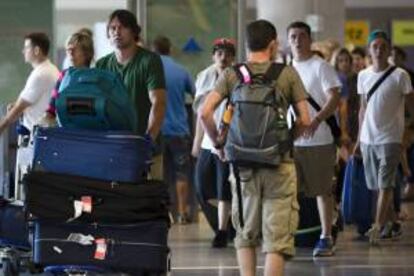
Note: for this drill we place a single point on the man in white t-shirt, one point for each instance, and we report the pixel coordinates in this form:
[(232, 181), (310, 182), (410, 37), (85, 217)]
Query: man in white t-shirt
[(210, 170), (381, 120), (34, 98), (315, 154)]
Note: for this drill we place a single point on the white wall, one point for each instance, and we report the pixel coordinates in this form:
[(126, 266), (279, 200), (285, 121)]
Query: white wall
[(330, 15), (89, 4), (72, 15)]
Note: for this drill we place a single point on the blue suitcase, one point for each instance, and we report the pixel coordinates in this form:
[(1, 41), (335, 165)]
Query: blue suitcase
[(357, 199), (104, 155), (128, 248)]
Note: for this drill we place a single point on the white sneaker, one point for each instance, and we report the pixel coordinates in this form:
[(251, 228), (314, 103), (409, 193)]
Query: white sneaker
[(374, 235)]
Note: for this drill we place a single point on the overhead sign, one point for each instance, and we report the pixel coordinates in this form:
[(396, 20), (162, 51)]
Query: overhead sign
[(191, 46), (356, 32), (403, 32)]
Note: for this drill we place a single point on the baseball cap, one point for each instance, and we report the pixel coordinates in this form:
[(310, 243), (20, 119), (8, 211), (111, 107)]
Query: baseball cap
[(378, 33), (225, 44)]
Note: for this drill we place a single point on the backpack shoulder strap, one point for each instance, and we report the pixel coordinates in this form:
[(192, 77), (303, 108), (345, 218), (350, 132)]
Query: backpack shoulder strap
[(243, 73), (274, 71)]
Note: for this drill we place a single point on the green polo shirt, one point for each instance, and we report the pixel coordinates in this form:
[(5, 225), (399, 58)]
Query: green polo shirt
[(144, 72)]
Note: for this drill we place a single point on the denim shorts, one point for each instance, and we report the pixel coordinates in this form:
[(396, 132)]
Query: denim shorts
[(212, 176), (381, 164), (176, 154)]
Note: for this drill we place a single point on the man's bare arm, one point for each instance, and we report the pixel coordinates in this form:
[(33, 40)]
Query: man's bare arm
[(303, 118), (327, 110), (361, 115), (157, 113), (13, 114), (213, 99), (198, 137)]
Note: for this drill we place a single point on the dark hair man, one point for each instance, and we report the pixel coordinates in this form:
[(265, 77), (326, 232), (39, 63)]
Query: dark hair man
[(315, 156), (142, 73), (269, 206)]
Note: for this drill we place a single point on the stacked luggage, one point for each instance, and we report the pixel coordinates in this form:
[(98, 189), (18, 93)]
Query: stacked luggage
[(94, 206), (91, 205)]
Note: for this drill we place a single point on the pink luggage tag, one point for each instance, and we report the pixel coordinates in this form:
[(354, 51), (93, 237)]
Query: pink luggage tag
[(86, 204), (101, 248), (83, 205)]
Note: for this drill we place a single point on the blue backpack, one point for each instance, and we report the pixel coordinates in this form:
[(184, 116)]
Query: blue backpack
[(94, 99)]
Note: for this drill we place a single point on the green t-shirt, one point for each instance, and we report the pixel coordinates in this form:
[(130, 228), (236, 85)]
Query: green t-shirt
[(140, 75), (288, 82)]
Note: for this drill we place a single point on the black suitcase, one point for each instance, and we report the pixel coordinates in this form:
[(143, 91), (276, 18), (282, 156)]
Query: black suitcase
[(132, 248), (53, 196)]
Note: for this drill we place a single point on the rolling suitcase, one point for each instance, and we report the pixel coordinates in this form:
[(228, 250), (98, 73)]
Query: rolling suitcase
[(357, 200), (131, 248), (111, 156), (13, 225), (15, 244), (63, 197)]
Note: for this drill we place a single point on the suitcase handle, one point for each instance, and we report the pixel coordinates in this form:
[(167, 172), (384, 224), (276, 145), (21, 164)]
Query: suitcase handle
[(81, 106)]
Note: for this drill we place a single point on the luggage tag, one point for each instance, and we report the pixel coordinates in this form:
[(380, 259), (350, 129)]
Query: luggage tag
[(101, 248), (86, 204), (81, 239), (80, 206)]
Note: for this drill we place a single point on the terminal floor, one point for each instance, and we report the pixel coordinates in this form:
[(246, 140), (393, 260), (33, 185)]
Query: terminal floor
[(192, 255)]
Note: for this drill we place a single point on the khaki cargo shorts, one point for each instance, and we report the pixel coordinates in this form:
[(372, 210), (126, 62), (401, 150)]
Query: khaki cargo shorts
[(315, 167), (270, 208)]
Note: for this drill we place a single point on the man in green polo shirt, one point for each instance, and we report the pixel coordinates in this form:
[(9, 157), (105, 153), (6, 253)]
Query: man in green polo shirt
[(141, 72)]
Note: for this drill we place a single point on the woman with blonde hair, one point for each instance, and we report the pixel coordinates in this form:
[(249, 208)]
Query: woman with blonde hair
[(80, 52)]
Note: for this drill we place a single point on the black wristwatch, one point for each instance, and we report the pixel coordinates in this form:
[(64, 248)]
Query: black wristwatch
[(218, 146)]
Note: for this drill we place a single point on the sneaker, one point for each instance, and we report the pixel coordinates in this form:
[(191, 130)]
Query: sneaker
[(373, 235), (386, 232), (324, 248), (391, 231), (396, 229), (220, 240)]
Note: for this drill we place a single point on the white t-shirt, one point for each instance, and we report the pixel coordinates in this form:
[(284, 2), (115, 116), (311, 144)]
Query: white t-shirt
[(37, 91), (318, 77), (204, 84), (384, 115)]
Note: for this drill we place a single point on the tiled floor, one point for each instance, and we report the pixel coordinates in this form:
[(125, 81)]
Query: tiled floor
[(192, 255)]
